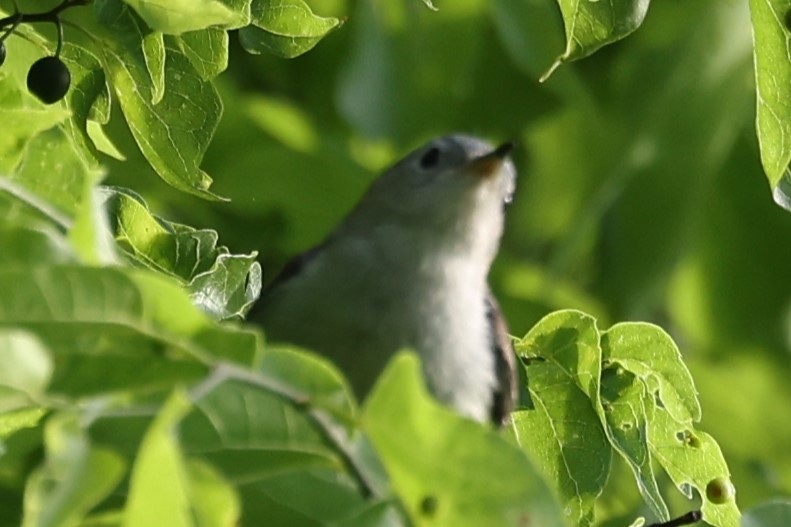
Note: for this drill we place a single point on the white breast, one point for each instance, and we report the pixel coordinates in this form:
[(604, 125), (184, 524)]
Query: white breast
[(359, 304)]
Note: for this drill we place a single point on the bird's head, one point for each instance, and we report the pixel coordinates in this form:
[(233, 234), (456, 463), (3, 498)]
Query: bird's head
[(452, 189)]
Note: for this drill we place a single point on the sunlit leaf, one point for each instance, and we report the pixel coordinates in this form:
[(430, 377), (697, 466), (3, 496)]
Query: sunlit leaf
[(174, 133), (222, 284), (25, 364), (76, 476), (166, 488), (591, 25), (180, 16), (648, 351), (13, 421), (207, 51), (628, 408), (563, 432), (87, 97), (444, 481), (270, 445), (54, 171), (771, 27), (286, 28), (692, 459)]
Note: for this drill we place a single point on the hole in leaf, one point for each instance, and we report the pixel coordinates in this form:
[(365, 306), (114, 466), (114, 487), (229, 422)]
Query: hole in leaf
[(686, 489), (788, 20), (626, 426), (688, 438), (530, 361), (429, 505), (658, 400)]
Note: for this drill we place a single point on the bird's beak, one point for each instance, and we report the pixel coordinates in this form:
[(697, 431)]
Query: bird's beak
[(488, 164)]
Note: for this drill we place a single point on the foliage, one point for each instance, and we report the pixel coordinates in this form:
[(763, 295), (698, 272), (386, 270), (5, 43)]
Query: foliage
[(131, 394)]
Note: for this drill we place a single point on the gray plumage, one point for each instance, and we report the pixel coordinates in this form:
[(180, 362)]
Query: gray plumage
[(408, 268)]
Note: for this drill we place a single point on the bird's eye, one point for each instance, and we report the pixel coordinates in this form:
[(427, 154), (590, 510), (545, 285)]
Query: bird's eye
[(430, 158)]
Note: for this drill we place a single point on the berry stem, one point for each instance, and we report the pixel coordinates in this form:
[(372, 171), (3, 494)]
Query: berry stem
[(60, 36), (52, 16), (14, 25)]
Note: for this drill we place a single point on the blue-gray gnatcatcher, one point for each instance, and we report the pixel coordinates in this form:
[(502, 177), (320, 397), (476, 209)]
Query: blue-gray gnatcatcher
[(407, 268)]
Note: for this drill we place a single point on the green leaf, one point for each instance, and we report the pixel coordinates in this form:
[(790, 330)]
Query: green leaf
[(54, 171), (252, 433), (22, 115), (88, 96), (90, 234), (563, 433), (229, 288), (172, 134), (25, 363), (222, 284), (215, 501), (153, 45), (165, 489), (72, 294), (692, 459), (312, 375), (442, 480), (180, 16), (111, 329), (12, 422), (26, 247), (772, 514), (75, 478), (648, 351), (285, 28), (770, 20), (591, 25), (628, 407), (103, 143), (207, 51), (271, 433)]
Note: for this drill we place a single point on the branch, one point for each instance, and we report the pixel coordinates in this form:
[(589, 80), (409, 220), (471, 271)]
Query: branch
[(371, 484), (53, 15), (687, 519)]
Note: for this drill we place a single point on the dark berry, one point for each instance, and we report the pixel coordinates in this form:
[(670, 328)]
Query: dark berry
[(48, 79), (2, 52)]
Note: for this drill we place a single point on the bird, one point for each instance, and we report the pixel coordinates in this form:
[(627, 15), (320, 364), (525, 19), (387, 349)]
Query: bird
[(408, 268)]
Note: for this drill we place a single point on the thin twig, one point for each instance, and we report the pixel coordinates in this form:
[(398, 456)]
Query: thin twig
[(687, 519), (334, 433), (47, 16)]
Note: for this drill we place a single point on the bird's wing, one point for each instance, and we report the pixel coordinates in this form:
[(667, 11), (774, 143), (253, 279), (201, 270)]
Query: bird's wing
[(290, 271), (505, 394)]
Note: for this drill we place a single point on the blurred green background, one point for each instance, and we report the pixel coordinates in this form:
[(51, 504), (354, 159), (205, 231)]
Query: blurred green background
[(641, 195)]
